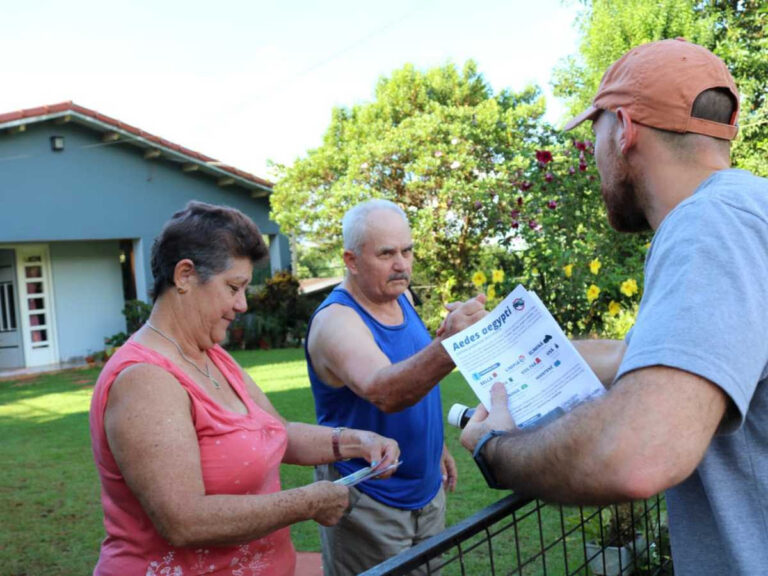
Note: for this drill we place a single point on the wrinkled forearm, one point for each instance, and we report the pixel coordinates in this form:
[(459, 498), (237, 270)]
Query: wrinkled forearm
[(210, 520), (571, 461), (308, 444), (398, 386)]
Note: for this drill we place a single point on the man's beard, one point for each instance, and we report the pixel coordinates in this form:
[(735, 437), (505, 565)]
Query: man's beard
[(620, 195)]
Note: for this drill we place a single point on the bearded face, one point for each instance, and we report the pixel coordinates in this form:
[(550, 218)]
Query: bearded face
[(619, 186)]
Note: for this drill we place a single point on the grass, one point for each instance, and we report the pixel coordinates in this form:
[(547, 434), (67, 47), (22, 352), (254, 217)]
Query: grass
[(50, 512)]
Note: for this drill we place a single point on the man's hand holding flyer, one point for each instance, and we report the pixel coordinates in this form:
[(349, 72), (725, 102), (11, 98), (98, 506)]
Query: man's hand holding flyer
[(520, 344)]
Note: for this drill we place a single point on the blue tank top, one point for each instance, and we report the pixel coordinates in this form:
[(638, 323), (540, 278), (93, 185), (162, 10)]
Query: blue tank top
[(418, 429)]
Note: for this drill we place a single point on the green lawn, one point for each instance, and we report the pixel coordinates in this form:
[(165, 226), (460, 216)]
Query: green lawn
[(50, 513)]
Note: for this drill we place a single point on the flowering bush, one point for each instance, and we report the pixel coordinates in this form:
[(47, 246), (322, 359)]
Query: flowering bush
[(277, 314), (557, 242)]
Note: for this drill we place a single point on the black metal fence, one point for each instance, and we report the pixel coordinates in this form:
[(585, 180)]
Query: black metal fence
[(522, 536)]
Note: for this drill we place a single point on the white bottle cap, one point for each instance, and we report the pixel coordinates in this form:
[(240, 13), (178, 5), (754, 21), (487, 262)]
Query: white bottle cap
[(455, 414)]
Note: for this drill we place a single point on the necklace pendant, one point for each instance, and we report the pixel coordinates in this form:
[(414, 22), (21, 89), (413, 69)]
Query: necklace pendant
[(215, 383)]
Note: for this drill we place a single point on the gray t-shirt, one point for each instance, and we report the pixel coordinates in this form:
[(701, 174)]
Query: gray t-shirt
[(705, 311)]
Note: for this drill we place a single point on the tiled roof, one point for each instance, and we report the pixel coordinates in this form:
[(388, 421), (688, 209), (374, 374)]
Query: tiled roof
[(42, 113)]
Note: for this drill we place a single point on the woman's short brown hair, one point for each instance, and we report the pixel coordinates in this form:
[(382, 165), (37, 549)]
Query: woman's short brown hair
[(210, 236)]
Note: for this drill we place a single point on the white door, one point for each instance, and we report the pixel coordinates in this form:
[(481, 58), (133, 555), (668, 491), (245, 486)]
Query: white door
[(36, 303), (11, 348)]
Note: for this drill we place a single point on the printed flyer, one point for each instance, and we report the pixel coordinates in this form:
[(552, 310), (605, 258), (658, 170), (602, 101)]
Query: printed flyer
[(520, 344)]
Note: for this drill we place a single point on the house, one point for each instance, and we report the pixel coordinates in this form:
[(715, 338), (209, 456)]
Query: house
[(82, 197)]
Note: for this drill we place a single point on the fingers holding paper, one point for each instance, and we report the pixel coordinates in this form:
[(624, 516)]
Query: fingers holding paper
[(461, 315), (482, 421), (379, 451)]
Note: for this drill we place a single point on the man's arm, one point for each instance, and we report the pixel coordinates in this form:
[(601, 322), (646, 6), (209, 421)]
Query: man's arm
[(344, 353), (603, 356), (648, 433)]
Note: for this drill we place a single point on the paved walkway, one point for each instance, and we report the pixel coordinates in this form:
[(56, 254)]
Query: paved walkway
[(21, 373)]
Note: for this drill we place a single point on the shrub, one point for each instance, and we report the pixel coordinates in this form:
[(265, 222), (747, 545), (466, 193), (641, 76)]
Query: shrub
[(277, 314)]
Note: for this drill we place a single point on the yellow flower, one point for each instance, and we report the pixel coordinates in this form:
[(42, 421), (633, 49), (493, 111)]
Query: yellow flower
[(628, 287), (594, 266), (535, 271), (497, 276), (479, 279), (568, 269), (592, 293), (614, 308), (491, 292)]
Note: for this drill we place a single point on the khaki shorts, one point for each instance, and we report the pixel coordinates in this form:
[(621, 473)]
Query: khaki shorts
[(371, 532)]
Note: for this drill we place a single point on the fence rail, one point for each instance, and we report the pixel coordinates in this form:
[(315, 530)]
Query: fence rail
[(523, 536)]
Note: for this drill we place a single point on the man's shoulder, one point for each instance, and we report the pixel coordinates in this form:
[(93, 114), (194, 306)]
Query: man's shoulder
[(336, 312), (725, 199), (733, 189)]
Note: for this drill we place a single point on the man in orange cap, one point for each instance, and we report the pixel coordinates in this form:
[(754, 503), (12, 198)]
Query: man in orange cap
[(687, 408)]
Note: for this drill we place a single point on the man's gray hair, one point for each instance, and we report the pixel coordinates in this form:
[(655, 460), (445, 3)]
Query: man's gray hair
[(353, 227)]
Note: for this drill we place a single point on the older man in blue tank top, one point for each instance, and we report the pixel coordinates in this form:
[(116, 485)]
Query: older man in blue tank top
[(373, 365)]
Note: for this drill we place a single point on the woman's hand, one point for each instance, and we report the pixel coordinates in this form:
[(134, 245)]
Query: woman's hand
[(330, 501), (379, 451)]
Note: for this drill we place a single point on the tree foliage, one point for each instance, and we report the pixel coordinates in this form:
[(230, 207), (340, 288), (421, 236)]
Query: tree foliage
[(735, 30), (440, 144)]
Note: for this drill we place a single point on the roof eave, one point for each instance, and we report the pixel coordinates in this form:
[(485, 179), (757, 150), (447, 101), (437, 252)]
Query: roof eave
[(212, 167)]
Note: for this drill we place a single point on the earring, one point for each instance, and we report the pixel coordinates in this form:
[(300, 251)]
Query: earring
[(181, 290)]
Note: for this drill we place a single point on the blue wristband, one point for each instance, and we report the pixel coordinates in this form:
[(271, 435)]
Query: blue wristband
[(487, 473)]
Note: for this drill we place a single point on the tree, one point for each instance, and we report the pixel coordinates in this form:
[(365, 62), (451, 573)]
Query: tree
[(438, 143), (735, 30)]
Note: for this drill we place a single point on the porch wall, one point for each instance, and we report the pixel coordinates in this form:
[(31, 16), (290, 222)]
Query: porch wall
[(88, 292)]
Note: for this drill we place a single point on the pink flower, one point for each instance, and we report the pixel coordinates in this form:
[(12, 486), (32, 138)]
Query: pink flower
[(478, 204), (515, 224), (549, 176), (571, 170), (552, 204), (525, 185), (532, 224), (543, 156), (582, 166), (515, 213), (580, 145), (519, 200)]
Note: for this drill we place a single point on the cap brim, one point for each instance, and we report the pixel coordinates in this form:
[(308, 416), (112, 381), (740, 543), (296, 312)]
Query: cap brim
[(588, 114)]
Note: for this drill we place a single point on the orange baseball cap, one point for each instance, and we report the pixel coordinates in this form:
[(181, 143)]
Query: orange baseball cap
[(657, 83)]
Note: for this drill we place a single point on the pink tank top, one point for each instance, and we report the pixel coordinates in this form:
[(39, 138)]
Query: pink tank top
[(239, 454)]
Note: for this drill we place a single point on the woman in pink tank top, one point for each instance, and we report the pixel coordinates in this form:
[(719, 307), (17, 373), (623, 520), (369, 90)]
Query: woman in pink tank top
[(187, 447)]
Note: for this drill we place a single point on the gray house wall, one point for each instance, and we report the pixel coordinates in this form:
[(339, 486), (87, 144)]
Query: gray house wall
[(93, 191), (88, 284)]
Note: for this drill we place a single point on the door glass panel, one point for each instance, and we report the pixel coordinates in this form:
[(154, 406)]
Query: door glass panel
[(39, 336), (37, 319), (29, 259), (36, 303), (34, 287), (33, 272)]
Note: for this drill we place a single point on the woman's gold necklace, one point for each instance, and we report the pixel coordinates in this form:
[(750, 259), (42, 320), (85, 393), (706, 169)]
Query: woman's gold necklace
[(206, 372)]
